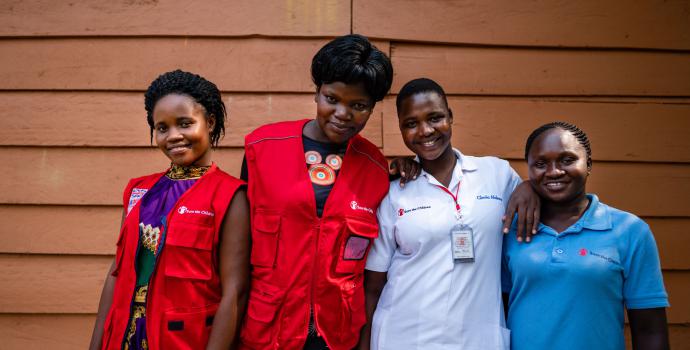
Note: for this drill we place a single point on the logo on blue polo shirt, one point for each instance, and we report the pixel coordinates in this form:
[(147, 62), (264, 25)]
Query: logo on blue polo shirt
[(584, 252)]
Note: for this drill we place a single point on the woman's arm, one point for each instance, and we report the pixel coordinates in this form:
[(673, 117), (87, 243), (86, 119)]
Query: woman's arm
[(103, 308), (373, 286), (234, 255), (526, 203), (104, 303), (648, 328)]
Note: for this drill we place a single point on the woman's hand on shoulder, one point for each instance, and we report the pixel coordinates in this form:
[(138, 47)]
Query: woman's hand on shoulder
[(526, 203), (406, 168)]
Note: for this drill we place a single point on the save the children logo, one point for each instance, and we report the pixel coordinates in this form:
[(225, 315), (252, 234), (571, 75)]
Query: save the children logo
[(402, 211), (585, 252), (355, 206), (185, 210)]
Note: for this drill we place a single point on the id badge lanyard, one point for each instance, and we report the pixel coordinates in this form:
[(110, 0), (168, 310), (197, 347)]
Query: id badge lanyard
[(461, 235)]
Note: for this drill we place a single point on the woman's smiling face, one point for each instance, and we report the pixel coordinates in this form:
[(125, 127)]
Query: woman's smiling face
[(181, 130), (426, 124), (558, 166)]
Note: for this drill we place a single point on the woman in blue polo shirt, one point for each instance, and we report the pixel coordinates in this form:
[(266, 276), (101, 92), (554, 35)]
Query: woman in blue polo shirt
[(569, 287)]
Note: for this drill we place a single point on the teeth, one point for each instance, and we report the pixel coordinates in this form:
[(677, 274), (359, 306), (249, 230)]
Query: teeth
[(428, 143), (554, 184)]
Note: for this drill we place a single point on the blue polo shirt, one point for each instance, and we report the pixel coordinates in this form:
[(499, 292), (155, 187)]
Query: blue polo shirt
[(570, 290)]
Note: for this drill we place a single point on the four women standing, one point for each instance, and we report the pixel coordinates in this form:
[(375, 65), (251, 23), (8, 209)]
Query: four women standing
[(181, 275)]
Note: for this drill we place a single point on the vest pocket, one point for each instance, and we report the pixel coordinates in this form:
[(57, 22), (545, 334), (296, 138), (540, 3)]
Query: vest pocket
[(259, 326), (187, 329), (188, 250), (355, 244), (265, 230)]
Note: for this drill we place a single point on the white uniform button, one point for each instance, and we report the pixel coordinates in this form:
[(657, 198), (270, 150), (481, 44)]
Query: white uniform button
[(559, 251)]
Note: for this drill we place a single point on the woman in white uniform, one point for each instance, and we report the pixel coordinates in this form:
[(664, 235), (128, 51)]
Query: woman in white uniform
[(433, 275)]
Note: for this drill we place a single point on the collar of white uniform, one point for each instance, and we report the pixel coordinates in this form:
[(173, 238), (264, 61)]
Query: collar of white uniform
[(463, 164)]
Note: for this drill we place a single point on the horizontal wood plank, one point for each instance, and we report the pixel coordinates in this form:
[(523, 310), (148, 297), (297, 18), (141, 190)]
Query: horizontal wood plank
[(51, 283), (642, 24), (41, 332), (253, 64), (92, 230), (647, 131), (119, 118), (643, 189), (175, 17), (86, 176), (72, 284), (68, 332), (512, 71), (51, 229), (672, 239), (78, 176)]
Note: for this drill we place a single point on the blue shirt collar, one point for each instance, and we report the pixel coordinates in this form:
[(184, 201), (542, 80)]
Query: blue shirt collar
[(596, 218)]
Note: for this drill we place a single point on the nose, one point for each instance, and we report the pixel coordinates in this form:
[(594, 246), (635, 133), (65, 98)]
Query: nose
[(174, 134), (425, 129), (342, 112), (553, 170)]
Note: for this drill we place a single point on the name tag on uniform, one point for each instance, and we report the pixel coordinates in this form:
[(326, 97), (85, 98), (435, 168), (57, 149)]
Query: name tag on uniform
[(462, 243)]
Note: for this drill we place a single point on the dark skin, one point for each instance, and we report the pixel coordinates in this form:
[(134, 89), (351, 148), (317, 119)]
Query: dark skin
[(234, 255), (558, 170), (181, 130), (426, 126), (104, 304)]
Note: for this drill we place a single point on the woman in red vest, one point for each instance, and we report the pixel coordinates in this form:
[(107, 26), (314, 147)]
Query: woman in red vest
[(314, 186), (180, 276)]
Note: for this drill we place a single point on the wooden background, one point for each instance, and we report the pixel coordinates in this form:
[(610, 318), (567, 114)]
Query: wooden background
[(73, 128)]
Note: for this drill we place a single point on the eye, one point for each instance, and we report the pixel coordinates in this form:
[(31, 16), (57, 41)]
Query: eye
[(568, 160), (539, 164), (410, 124), (360, 107), (185, 124), (161, 128), (329, 99), (436, 118)]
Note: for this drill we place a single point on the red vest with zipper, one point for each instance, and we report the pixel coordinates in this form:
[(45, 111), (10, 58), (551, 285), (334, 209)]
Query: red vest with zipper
[(184, 289), (298, 259)]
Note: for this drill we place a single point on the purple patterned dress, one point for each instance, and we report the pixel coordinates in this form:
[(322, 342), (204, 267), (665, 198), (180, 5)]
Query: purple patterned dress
[(155, 206)]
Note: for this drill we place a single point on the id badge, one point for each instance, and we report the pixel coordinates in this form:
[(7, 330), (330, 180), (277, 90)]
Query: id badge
[(462, 243)]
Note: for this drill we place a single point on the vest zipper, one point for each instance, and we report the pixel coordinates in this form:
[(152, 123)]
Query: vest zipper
[(314, 274)]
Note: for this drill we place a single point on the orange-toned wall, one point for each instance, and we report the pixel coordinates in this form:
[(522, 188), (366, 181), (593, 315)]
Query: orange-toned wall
[(73, 126)]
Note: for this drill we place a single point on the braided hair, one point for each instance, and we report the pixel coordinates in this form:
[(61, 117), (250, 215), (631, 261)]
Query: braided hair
[(352, 59), (574, 130), (201, 90)]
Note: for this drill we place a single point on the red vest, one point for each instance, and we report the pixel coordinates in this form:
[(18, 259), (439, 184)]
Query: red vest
[(184, 290), (298, 259)]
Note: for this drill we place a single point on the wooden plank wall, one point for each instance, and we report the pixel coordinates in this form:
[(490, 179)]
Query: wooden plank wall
[(72, 76)]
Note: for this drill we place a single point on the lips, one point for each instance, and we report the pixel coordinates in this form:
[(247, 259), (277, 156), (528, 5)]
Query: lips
[(178, 149), (555, 185), (340, 128), (429, 143)]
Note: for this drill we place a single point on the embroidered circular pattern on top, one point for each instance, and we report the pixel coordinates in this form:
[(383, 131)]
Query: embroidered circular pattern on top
[(334, 161), (312, 157), (321, 174)]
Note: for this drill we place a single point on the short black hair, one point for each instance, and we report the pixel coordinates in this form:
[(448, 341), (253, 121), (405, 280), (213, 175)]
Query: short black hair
[(580, 135), (195, 86), (352, 59), (418, 86)]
